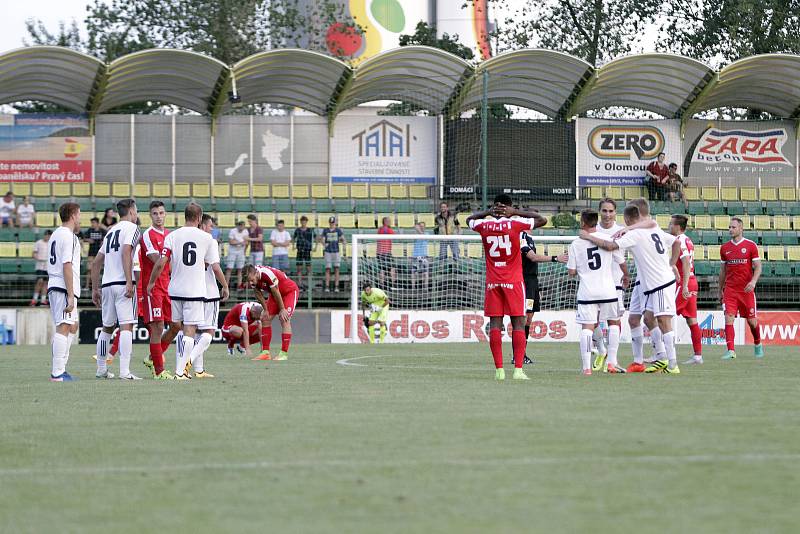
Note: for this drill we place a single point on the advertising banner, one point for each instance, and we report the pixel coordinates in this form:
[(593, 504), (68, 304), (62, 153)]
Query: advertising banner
[(470, 326), (737, 149), (618, 152), (777, 328), (45, 148), (376, 149)]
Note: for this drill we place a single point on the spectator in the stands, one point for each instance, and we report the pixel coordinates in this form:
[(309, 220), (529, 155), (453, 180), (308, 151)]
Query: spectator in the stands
[(256, 240), (215, 231), (657, 178), (109, 219), (7, 210), (384, 253), (303, 241), (41, 253), (447, 224), (93, 236), (281, 240), (332, 237), (237, 249), (26, 213), (676, 185), (420, 267)]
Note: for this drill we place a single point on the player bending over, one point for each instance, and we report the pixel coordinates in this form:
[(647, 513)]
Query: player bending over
[(117, 295), (244, 317), (598, 299), (378, 304), (282, 299), (686, 292), (738, 276), (505, 289)]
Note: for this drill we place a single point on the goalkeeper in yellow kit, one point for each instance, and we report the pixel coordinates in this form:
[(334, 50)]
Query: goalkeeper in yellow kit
[(378, 303)]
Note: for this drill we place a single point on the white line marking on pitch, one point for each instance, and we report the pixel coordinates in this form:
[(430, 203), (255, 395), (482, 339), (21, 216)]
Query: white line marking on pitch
[(350, 464), (349, 362)]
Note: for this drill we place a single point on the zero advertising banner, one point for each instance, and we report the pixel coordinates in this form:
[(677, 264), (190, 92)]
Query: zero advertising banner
[(740, 149), (45, 148), (618, 152), (384, 149), (470, 326)]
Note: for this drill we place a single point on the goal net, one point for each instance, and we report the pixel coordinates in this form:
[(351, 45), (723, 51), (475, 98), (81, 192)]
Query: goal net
[(427, 277)]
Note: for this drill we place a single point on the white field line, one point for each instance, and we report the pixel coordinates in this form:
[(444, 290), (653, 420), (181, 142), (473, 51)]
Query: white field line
[(350, 362)]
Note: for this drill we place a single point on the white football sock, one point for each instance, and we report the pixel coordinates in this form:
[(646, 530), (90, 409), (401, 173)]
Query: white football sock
[(197, 352), (613, 344), (102, 351), (70, 341), (637, 344), (178, 350), (125, 351), (586, 349), (669, 346), (599, 340), (188, 346), (657, 342), (59, 354)]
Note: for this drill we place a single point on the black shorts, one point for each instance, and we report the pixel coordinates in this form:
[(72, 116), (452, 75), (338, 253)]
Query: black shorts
[(532, 301), (303, 257), (41, 274), (385, 261)]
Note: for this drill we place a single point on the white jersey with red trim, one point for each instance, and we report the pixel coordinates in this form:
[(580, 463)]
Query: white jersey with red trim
[(189, 250)]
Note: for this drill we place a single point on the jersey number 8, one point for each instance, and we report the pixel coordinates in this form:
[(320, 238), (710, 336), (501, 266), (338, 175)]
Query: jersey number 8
[(497, 242)]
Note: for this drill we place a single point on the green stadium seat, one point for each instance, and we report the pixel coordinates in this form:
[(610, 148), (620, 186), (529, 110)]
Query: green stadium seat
[(262, 204), (26, 234), (404, 206), (771, 238), (784, 269), (8, 235), (735, 208), (325, 204), (716, 208), (362, 206), (703, 268), (303, 206), (709, 237), (767, 268), (27, 266), (773, 208), (696, 208), (787, 238), (794, 209), (753, 208), (9, 266), (384, 206)]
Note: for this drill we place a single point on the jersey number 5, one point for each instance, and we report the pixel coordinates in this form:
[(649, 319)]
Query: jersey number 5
[(594, 258), (497, 242)]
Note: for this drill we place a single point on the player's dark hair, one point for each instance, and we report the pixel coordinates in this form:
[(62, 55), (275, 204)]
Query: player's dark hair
[(94, 219), (589, 217), (205, 218), (124, 206), (739, 220), (503, 199), (681, 220), (631, 212), (642, 205), (155, 204), (249, 268), (67, 210), (366, 284), (607, 200), (193, 212), (280, 221)]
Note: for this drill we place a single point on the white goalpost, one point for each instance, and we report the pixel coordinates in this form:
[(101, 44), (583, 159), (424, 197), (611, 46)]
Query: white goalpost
[(425, 274)]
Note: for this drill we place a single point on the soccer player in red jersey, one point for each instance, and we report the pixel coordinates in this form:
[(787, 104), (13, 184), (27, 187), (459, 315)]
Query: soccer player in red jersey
[(156, 309), (686, 299), (280, 302), (244, 317), (738, 276), (505, 287)]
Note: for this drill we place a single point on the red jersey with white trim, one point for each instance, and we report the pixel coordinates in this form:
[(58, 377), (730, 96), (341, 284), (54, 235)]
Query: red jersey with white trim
[(270, 277), (153, 243), (501, 247), (238, 314), (738, 259), (687, 251)]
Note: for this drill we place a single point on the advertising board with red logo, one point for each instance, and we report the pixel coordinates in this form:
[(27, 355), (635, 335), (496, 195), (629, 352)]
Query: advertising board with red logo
[(777, 328), (45, 148), (740, 149)]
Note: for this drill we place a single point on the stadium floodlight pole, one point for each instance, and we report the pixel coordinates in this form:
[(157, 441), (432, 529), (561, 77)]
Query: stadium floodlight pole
[(485, 141)]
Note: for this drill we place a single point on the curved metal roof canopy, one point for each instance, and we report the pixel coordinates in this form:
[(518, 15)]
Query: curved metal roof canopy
[(662, 83), (769, 82), (186, 79), (50, 74), (301, 78)]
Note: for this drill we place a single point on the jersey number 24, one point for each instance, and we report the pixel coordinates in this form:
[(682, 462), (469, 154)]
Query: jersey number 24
[(496, 242)]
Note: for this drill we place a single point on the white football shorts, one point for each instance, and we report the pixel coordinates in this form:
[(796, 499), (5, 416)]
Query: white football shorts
[(116, 307), (58, 301), (191, 312)]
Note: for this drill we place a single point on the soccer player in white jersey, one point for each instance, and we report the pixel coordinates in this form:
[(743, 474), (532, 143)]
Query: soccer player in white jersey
[(652, 251), (188, 249), (597, 292), (608, 226), (64, 286), (117, 294)]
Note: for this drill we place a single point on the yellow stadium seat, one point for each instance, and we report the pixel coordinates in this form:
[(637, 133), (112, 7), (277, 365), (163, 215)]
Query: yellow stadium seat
[(781, 222), (699, 253), (712, 253), (267, 247), (703, 222), (280, 190), (171, 220), (793, 253), (428, 218), (25, 250), (242, 191), (762, 222), (769, 194), (796, 223), (474, 250), (21, 189), (322, 219), (787, 194), (366, 221), (288, 219), (721, 222), (86, 219), (614, 192), (225, 247), (201, 190), (142, 190), (144, 219), (265, 220), (595, 193), (221, 190), (692, 193), (61, 189), (226, 220), (632, 192), (41, 190), (161, 190), (663, 219), (748, 194), (101, 190), (775, 253), (182, 190), (8, 250), (729, 193), (418, 191), (45, 219), (379, 191), (82, 189), (300, 191), (260, 191), (121, 189), (320, 191), (318, 251), (346, 220), (556, 249), (709, 193), (359, 191), (405, 220), (340, 191), (398, 191)]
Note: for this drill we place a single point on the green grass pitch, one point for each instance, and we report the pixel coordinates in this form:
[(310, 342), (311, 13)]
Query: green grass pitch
[(414, 439)]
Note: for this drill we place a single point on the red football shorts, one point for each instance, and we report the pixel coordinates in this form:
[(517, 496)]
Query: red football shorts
[(741, 302), (687, 307), (255, 335), (156, 307), (504, 299), (289, 302)]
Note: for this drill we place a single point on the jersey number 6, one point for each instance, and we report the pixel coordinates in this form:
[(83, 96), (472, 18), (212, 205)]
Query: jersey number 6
[(189, 254)]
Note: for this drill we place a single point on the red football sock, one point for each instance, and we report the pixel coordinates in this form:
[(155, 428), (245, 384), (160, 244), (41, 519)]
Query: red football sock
[(165, 346), (157, 355), (496, 346), (697, 338), (286, 339), (756, 331), (518, 342), (230, 343), (266, 337), (114, 344), (729, 335)]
